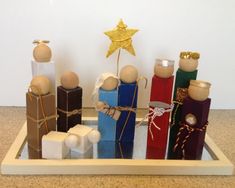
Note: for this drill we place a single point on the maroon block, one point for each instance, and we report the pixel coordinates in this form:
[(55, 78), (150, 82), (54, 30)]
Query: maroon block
[(191, 137), (68, 101)]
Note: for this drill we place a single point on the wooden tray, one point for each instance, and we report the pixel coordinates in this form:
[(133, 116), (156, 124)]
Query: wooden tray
[(11, 164)]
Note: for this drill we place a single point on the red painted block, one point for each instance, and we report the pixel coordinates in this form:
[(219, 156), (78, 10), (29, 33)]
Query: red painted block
[(161, 90)]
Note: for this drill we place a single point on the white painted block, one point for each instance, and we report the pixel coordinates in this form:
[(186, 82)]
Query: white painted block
[(47, 69), (87, 136), (53, 145), (82, 132)]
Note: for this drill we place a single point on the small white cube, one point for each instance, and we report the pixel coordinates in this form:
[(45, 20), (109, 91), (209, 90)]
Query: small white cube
[(53, 145), (82, 132)]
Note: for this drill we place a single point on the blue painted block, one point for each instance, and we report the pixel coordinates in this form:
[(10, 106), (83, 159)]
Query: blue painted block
[(127, 97), (112, 150), (107, 150), (106, 124), (124, 150)]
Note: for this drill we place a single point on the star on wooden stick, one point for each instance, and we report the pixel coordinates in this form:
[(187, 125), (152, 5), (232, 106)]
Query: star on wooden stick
[(121, 38)]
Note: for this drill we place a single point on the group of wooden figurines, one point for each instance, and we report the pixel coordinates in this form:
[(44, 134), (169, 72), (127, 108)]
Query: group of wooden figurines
[(186, 117), (54, 130), (188, 113), (115, 100)]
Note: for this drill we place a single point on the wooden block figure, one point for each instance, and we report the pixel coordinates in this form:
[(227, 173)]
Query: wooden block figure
[(160, 107), (106, 123), (69, 102), (106, 86), (127, 97), (53, 145), (194, 120), (187, 71), (40, 110), (82, 138)]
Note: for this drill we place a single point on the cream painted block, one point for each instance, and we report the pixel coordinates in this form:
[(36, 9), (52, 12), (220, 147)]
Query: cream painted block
[(47, 69), (82, 132), (53, 145)]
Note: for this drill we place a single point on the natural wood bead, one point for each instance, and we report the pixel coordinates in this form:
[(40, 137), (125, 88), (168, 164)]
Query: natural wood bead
[(188, 65), (40, 84), (110, 83), (69, 80), (129, 74), (42, 53)]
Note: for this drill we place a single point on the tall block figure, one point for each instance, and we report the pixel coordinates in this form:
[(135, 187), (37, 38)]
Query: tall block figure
[(161, 93), (194, 120), (187, 71), (41, 112), (127, 97), (157, 138), (106, 124), (69, 102)]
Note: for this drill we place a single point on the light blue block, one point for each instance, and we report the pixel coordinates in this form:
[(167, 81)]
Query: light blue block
[(106, 124), (107, 150)]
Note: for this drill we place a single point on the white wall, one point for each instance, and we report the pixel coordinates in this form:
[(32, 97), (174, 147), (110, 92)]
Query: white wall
[(75, 29)]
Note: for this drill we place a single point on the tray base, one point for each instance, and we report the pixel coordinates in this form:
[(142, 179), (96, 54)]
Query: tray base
[(13, 165)]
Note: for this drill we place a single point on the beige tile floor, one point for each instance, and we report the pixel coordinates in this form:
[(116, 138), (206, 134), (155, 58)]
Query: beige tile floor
[(221, 129)]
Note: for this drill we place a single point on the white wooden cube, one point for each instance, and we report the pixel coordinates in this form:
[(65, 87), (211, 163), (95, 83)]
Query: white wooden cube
[(81, 131), (53, 145)]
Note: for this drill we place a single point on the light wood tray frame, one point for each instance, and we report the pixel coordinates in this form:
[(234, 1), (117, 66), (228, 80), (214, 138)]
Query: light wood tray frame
[(14, 166)]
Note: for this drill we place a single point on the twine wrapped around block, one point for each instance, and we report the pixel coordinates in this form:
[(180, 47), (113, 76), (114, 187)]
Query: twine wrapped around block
[(45, 118), (132, 103), (113, 111), (70, 113), (156, 109), (189, 130)]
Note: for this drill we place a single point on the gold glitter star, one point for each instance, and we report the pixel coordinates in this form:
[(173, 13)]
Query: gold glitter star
[(121, 38)]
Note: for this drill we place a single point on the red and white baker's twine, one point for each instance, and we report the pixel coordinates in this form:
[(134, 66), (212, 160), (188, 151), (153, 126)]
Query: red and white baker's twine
[(153, 113), (190, 131)]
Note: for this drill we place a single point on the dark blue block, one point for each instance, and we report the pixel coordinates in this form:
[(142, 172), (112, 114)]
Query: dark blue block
[(124, 150), (127, 97), (106, 124)]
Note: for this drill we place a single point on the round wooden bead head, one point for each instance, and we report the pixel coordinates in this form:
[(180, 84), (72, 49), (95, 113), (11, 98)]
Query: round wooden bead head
[(69, 80), (40, 85), (110, 83), (199, 90), (164, 68), (41, 53), (129, 74), (189, 61)]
